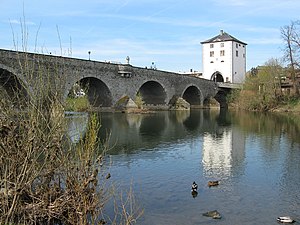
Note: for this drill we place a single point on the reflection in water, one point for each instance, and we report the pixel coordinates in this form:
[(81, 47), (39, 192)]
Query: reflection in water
[(217, 154), (77, 125), (152, 125), (182, 116), (192, 120), (222, 148), (256, 157), (131, 132)]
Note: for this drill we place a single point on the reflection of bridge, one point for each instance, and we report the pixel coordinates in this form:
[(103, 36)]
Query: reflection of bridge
[(133, 131), (106, 83)]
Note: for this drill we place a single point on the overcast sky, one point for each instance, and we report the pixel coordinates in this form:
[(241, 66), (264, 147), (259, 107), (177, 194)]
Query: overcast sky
[(167, 32)]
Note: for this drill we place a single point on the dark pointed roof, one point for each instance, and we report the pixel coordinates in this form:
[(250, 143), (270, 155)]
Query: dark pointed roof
[(223, 36)]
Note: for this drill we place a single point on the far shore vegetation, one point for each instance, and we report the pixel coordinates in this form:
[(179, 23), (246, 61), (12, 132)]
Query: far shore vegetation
[(275, 85)]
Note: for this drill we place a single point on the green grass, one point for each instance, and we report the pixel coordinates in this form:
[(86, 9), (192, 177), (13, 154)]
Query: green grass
[(77, 104)]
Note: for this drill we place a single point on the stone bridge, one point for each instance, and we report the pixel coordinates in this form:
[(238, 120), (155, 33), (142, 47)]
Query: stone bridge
[(105, 83)]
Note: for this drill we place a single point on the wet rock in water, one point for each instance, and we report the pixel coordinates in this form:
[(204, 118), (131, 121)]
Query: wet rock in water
[(214, 214)]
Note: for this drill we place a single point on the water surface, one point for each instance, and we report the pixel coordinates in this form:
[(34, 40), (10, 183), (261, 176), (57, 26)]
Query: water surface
[(256, 158)]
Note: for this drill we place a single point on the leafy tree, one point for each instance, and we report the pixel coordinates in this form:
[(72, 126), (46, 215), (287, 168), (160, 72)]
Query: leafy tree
[(261, 91)]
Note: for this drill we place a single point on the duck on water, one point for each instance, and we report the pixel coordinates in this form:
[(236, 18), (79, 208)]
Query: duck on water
[(285, 219), (194, 190)]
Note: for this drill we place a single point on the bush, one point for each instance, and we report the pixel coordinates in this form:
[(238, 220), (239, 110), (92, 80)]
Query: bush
[(260, 90), (44, 177), (79, 104), (139, 100)]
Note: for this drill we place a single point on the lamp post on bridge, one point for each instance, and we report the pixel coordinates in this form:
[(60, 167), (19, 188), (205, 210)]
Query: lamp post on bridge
[(89, 52)]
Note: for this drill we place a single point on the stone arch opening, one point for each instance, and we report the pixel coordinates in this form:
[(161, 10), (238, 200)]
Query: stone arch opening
[(217, 77), (192, 95), (97, 92), (152, 92), (11, 88)]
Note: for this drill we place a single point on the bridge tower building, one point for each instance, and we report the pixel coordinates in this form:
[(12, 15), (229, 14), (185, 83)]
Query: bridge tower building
[(224, 59)]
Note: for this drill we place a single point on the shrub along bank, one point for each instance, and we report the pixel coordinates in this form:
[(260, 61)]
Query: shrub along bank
[(44, 177)]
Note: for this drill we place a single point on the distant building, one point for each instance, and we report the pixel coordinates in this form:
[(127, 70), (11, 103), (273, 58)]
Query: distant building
[(224, 59)]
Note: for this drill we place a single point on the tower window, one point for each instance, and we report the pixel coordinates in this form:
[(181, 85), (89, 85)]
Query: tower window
[(236, 45), (211, 45), (222, 45), (237, 53), (222, 53), (212, 53)]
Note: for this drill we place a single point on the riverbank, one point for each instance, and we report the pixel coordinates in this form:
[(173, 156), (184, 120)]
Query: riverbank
[(288, 108)]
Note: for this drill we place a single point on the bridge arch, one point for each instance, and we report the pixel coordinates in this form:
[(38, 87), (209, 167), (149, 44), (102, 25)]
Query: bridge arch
[(193, 95), (152, 92), (12, 86), (97, 92), (217, 77)]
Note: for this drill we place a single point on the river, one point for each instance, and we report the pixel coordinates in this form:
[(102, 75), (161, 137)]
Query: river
[(254, 156)]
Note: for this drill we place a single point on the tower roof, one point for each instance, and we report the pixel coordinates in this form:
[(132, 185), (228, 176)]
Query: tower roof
[(223, 36)]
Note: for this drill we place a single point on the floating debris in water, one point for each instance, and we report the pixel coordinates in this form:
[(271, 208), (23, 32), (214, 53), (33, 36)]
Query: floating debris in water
[(108, 176)]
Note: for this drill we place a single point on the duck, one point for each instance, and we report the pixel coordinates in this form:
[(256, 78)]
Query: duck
[(194, 191), (285, 219), (194, 187), (213, 183)]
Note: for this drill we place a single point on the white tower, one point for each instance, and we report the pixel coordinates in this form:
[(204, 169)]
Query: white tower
[(224, 59)]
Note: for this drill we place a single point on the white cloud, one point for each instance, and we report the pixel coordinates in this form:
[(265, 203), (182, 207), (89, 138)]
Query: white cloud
[(19, 22)]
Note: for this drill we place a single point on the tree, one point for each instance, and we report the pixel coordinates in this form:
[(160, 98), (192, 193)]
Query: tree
[(253, 71), (274, 71), (260, 91), (291, 36)]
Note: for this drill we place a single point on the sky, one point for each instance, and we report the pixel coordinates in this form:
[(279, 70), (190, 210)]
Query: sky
[(165, 32)]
